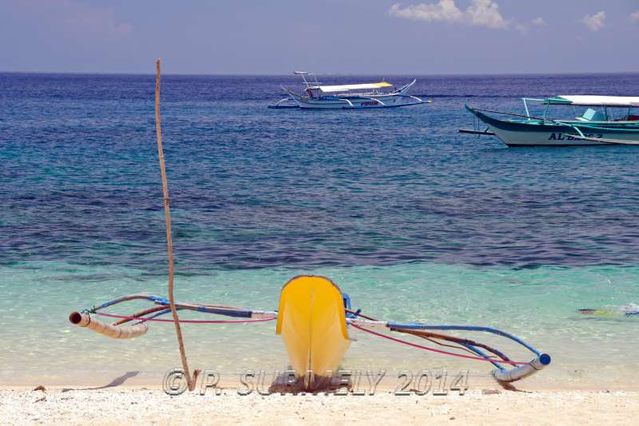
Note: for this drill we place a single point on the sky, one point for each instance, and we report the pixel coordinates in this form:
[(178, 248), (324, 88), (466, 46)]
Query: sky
[(409, 37)]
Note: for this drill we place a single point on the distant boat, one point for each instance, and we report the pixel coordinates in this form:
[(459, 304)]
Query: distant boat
[(606, 120), (347, 96)]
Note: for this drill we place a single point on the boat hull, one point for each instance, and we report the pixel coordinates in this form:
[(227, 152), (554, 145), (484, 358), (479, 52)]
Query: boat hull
[(538, 133), (312, 322), (354, 102)]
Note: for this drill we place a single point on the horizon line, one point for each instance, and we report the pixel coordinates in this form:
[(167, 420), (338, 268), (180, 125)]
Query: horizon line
[(461, 74)]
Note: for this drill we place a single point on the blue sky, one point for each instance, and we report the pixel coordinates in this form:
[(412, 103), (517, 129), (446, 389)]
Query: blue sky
[(325, 36)]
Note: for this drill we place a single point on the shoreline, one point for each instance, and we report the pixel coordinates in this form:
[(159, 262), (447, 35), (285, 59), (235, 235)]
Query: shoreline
[(360, 382), (141, 404)]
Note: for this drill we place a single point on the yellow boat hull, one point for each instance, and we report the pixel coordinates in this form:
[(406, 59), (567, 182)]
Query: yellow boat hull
[(312, 322)]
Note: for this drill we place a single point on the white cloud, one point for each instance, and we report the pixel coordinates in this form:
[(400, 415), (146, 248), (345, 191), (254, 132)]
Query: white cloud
[(538, 22), (634, 16), (595, 22), (486, 13), (445, 10), (523, 28), (483, 13)]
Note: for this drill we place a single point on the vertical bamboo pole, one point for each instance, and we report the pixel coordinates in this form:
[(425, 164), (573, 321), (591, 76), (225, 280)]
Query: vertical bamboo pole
[(169, 239)]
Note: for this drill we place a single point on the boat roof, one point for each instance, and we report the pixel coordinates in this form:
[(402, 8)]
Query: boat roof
[(347, 87), (594, 100)]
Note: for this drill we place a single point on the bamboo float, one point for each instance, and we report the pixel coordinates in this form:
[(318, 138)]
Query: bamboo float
[(109, 330)]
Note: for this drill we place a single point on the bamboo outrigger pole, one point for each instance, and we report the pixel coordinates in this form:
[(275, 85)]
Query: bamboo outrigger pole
[(169, 240)]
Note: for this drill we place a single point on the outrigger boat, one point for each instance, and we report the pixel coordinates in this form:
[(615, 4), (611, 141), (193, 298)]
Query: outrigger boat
[(347, 96), (314, 318), (606, 120)]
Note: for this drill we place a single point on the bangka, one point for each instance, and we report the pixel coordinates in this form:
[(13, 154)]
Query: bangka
[(603, 120), (347, 96), (314, 318)]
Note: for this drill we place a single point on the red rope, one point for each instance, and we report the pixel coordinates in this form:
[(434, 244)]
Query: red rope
[(439, 351), (186, 320)]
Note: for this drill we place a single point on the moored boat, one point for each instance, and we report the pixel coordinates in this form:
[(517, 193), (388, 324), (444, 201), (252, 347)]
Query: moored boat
[(347, 96), (603, 120), (315, 319)]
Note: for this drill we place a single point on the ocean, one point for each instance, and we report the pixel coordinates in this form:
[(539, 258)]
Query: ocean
[(412, 219)]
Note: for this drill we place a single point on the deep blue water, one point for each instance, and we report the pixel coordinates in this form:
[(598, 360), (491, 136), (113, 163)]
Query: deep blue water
[(253, 187)]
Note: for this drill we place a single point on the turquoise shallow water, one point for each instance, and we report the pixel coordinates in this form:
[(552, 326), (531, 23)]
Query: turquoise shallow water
[(538, 304), (413, 220)]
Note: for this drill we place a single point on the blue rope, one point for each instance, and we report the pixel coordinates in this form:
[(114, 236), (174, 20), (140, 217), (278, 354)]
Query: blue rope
[(419, 326)]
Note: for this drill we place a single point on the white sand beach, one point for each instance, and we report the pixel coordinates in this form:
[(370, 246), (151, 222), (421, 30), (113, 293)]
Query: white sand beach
[(137, 405)]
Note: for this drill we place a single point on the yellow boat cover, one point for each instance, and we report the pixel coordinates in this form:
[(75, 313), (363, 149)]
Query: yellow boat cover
[(312, 322)]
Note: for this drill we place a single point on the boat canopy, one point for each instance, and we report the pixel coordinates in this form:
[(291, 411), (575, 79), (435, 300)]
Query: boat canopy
[(347, 87), (594, 100)]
